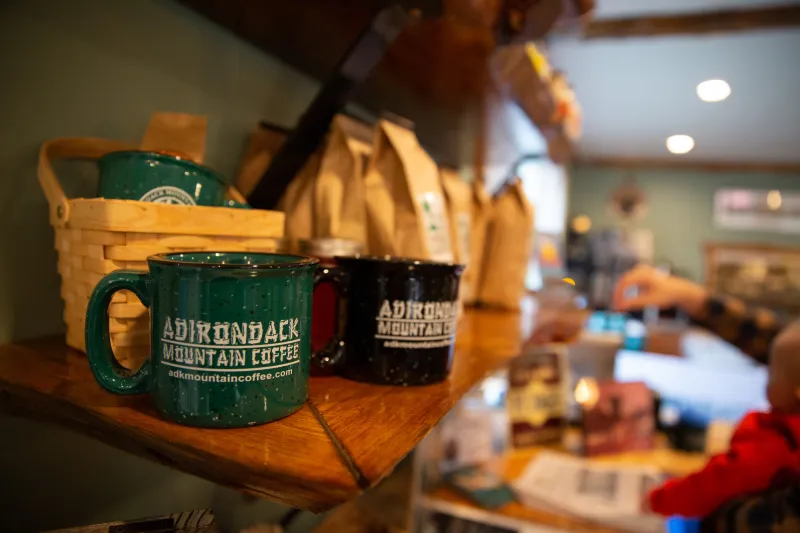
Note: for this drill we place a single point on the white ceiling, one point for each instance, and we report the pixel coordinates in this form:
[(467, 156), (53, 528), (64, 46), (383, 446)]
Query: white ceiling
[(637, 92), (632, 8)]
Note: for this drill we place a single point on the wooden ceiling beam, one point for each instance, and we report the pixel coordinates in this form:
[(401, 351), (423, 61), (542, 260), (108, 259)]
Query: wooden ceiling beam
[(721, 21), (689, 164)]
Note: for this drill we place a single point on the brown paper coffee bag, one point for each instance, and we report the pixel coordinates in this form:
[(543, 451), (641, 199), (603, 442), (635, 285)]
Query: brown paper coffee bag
[(339, 194), (414, 223), (509, 245), (458, 195), (481, 209), (298, 202), (378, 189)]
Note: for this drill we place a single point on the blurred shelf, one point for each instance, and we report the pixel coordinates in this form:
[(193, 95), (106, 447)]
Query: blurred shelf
[(345, 439), (513, 515), (516, 516)]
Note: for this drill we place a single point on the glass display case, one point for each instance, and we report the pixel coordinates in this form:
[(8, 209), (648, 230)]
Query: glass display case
[(760, 274)]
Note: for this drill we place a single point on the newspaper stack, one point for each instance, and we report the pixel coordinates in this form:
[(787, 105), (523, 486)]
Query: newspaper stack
[(608, 494)]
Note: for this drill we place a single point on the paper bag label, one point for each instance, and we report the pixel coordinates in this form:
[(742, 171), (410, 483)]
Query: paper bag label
[(434, 222), (462, 234)]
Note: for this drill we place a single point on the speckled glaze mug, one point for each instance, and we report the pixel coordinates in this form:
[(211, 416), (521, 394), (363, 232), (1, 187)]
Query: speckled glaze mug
[(398, 320), (162, 178), (230, 336)]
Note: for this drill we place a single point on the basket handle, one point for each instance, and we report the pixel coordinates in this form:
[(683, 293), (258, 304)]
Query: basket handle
[(235, 195), (69, 148)]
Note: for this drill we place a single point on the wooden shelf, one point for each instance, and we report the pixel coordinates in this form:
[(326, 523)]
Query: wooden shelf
[(513, 515), (346, 439), (435, 73), (516, 515)]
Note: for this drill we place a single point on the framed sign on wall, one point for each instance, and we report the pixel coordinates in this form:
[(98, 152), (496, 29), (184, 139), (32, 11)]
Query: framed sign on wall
[(757, 210), (760, 274)]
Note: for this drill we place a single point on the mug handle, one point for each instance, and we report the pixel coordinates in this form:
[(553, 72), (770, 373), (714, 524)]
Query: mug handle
[(107, 371), (325, 361)]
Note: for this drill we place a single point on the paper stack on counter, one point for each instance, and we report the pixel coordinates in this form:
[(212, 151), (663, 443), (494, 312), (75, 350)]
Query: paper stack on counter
[(607, 493), (471, 436)]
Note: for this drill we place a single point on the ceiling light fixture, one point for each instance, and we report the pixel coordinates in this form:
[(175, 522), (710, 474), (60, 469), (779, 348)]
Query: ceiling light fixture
[(713, 90), (680, 144)]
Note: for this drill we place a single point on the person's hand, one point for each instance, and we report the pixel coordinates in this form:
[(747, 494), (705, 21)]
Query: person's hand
[(655, 288), (560, 326)]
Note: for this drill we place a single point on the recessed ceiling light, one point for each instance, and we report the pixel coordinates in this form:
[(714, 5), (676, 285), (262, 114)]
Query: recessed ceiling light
[(680, 144), (713, 90)]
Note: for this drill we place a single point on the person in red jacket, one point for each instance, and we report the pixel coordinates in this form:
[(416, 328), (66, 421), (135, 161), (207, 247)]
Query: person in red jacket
[(764, 451)]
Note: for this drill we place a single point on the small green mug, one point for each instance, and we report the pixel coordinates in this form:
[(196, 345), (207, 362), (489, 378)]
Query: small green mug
[(230, 336), (159, 177)]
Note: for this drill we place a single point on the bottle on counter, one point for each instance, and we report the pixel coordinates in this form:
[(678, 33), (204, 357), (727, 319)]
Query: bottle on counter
[(635, 335), (539, 387)]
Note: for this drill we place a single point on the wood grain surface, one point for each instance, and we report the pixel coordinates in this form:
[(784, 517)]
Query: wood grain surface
[(348, 437), (291, 461), (379, 425), (145, 217), (517, 511), (433, 74)]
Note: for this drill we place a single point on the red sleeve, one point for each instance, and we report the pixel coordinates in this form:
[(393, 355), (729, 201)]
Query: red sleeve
[(756, 455)]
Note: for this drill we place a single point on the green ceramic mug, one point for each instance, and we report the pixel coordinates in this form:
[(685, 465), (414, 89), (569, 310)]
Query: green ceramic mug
[(160, 178), (230, 336)]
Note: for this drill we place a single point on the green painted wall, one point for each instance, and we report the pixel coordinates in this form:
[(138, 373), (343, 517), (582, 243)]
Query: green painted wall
[(681, 207), (99, 68)]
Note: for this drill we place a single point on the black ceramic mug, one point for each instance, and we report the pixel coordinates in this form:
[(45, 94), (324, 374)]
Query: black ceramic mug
[(397, 320)]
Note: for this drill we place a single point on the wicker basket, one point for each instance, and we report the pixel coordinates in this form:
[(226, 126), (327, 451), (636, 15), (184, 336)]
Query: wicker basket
[(95, 236)]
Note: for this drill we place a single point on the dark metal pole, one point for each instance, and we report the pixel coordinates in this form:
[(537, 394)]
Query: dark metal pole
[(351, 71)]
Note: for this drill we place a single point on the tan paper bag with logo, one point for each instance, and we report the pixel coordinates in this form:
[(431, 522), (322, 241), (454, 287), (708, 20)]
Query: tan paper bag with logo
[(298, 202), (509, 245), (406, 210), (378, 189), (458, 194), (481, 208), (339, 193)]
